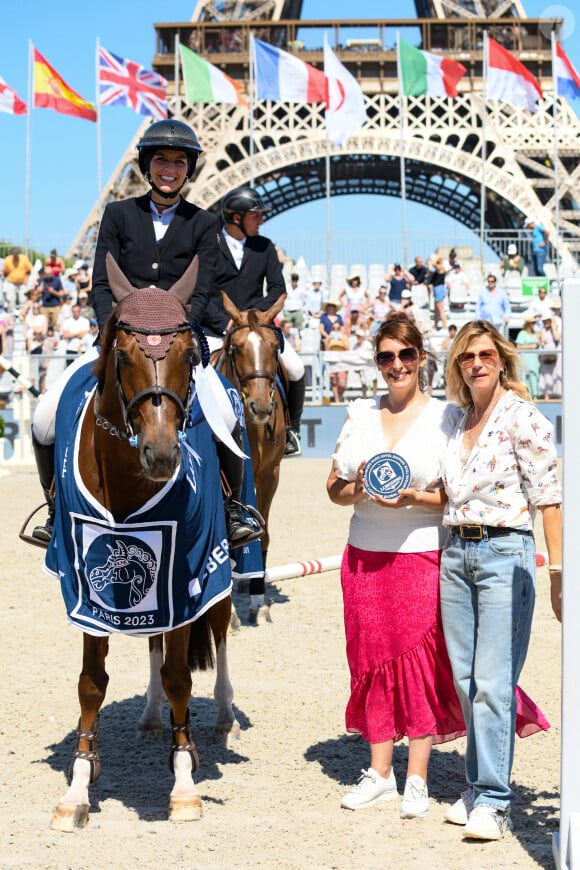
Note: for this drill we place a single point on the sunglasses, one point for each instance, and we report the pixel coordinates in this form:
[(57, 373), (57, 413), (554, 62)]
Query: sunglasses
[(486, 358), (386, 358)]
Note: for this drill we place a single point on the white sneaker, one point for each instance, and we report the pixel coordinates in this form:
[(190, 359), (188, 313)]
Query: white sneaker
[(487, 823), (458, 812), (415, 799), (371, 789)]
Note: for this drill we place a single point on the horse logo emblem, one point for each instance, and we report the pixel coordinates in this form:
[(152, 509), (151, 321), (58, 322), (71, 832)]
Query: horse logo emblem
[(126, 576), (385, 474)]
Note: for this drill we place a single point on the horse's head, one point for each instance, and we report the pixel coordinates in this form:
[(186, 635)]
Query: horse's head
[(252, 345), (145, 369)]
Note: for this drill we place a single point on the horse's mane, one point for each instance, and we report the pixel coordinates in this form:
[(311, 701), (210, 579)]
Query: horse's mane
[(106, 343)]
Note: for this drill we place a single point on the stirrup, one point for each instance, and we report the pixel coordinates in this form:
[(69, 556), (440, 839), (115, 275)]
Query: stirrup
[(29, 538), (255, 516)]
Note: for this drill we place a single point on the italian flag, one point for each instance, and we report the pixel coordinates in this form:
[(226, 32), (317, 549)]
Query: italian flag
[(206, 83), (422, 73)]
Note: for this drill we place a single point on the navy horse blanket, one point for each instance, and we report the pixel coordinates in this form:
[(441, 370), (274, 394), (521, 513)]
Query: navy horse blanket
[(164, 565)]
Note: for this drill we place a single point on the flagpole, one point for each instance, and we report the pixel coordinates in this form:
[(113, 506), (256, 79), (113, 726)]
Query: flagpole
[(28, 149), (555, 158), (177, 100), (99, 139), (403, 168), (483, 151), (328, 180), (252, 84)]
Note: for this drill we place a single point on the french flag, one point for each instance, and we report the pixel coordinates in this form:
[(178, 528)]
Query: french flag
[(283, 77), (568, 80), (10, 102)]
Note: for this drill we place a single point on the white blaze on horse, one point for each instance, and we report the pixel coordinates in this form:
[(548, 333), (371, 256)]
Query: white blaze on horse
[(131, 456)]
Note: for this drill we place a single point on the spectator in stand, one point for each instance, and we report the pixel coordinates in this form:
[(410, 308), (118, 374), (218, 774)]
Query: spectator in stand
[(69, 284), (398, 280), (493, 305), (290, 334), (35, 325), (540, 237), (337, 340), (295, 305), (88, 340), (512, 262), (356, 320), (56, 263), (17, 269), (437, 286), (550, 386), (379, 309), (87, 309), (453, 260), (354, 297), (410, 310), (314, 300), (52, 295), (328, 319), (361, 343), (72, 331), (3, 317), (49, 348), (456, 283), (540, 306), (83, 280), (420, 283), (527, 343)]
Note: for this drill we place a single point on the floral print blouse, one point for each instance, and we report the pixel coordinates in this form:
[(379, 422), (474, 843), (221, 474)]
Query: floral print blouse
[(511, 470)]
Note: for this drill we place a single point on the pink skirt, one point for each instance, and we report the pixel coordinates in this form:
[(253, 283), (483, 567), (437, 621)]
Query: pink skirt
[(401, 679)]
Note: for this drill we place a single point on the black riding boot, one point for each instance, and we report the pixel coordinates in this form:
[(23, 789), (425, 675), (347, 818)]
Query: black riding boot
[(44, 455), (241, 524), (296, 391)]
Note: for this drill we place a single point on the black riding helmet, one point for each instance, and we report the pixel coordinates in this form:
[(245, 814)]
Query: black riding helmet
[(168, 134), (241, 201)]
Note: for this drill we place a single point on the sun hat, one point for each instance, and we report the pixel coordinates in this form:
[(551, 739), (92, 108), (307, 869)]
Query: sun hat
[(334, 302), (555, 304), (354, 277), (530, 318), (528, 221), (512, 249)]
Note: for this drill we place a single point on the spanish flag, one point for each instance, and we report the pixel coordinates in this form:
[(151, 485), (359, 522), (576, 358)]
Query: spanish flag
[(52, 92)]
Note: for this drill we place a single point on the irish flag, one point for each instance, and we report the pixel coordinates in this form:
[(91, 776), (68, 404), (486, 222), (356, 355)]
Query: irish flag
[(508, 80), (10, 101), (206, 83), (422, 73), (52, 92)]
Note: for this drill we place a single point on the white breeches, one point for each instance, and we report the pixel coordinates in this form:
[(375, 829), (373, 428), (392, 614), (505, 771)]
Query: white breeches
[(44, 417)]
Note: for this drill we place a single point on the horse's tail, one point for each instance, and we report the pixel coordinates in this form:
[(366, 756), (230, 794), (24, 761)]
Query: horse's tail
[(200, 650)]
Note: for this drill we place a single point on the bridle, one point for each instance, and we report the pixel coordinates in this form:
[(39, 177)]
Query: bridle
[(256, 374), (155, 392)]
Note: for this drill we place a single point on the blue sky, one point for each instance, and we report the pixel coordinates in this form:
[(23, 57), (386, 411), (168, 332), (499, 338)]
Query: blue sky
[(63, 179)]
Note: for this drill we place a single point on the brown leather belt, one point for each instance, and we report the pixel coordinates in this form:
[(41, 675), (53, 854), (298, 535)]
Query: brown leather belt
[(478, 533)]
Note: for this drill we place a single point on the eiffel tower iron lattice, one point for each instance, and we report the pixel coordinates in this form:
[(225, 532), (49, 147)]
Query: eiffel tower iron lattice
[(444, 142)]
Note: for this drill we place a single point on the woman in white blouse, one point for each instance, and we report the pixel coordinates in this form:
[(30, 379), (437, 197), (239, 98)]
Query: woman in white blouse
[(500, 466), (401, 682)]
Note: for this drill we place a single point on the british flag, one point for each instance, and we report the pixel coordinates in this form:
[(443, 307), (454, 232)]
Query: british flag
[(125, 83)]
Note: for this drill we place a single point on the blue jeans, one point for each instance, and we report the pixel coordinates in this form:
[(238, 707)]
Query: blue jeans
[(487, 604), (538, 260)]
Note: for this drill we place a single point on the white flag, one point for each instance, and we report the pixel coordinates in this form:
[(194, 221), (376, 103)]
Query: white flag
[(345, 109)]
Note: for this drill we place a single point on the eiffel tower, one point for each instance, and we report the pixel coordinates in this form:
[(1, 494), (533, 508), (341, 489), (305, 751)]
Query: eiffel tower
[(283, 151)]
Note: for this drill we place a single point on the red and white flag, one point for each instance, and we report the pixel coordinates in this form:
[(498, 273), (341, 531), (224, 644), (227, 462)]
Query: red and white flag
[(10, 101), (510, 81), (345, 108)]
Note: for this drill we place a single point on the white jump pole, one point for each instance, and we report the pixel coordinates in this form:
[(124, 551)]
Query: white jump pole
[(332, 563)]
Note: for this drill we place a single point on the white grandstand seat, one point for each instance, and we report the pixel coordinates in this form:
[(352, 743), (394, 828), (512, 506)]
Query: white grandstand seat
[(309, 340), (318, 272), (376, 277), (337, 278)]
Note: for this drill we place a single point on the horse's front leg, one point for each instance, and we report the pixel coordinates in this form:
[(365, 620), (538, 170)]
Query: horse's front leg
[(72, 811), (151, 722), (184, 800), (226, 725)]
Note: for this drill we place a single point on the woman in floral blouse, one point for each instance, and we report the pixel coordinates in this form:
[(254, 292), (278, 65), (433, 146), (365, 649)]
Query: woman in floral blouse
[(500, 466)]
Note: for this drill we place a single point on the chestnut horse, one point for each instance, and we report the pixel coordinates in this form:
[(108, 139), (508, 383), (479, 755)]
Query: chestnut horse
[(128, 449), (250, 362)]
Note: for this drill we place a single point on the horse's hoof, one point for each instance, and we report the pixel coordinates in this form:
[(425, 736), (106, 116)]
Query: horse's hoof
[(150, 730), (68, 818), (186, 809), (228, 732), (261, 615), (235, 622)]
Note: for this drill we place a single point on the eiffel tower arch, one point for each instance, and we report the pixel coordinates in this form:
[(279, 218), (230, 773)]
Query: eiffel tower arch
[(282, 152)]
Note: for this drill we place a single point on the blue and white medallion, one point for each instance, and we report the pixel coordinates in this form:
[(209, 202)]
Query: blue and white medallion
[(385, 474)]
